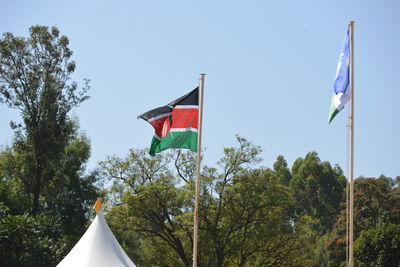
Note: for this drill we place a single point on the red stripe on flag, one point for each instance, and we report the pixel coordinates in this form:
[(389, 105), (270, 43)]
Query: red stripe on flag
[(185, 118)]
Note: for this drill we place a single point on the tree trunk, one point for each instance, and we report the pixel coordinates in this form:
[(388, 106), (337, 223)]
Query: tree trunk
[(36, 193)]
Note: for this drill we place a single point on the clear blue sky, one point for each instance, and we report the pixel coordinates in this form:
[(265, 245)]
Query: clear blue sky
[(270, 68)]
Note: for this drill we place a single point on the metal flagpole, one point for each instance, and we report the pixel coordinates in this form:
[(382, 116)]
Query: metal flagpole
[(351, 150), (347, 223), (197, 187)]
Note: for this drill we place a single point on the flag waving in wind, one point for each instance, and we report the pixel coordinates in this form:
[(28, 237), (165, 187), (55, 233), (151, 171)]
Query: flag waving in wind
[(175, 124), (341, 86)]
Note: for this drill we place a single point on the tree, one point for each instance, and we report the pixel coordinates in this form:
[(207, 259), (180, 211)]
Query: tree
[(282, 170), (29, 240), (252, 227), (149, 203), (318, 189), (243, 218), (68, 197), (44, 188), (376, 203), (35, 79), (12, 191), (379, 246)]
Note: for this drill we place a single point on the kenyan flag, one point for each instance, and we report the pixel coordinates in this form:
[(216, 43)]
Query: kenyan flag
[(175, 124)]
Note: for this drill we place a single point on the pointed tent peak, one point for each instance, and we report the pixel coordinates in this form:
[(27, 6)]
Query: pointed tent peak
[(97, 205), (98, 247)]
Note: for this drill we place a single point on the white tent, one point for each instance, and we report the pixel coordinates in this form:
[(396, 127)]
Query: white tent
[(97, 248)]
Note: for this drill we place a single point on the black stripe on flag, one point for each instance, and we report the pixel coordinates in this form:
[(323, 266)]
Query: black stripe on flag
[(191, 98)]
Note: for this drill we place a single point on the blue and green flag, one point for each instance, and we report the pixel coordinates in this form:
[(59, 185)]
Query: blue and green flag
[(341, 86)]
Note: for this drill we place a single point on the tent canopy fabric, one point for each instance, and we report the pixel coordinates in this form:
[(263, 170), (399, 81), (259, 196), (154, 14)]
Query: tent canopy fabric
[(97, 248)]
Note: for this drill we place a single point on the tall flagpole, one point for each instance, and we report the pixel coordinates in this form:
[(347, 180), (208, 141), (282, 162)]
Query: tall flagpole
[(351, 150), (197, 188), (347, 223)]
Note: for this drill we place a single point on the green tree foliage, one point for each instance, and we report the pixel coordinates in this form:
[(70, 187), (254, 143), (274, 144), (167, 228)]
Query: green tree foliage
[(149, 202), (35, 79), (67, 196), (379, 246), (243, 218), (12, 191), (44, 189), (376, 203), (27, 240), (282, 170), (318, 189)]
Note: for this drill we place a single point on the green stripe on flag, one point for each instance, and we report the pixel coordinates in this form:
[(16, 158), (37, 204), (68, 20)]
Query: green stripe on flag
[(186, 139), (333, 111)]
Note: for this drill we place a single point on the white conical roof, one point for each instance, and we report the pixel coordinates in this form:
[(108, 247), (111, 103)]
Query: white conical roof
[(97, 248)]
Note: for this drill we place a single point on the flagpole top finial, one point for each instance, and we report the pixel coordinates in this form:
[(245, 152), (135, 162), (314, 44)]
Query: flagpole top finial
[(97, 205)]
